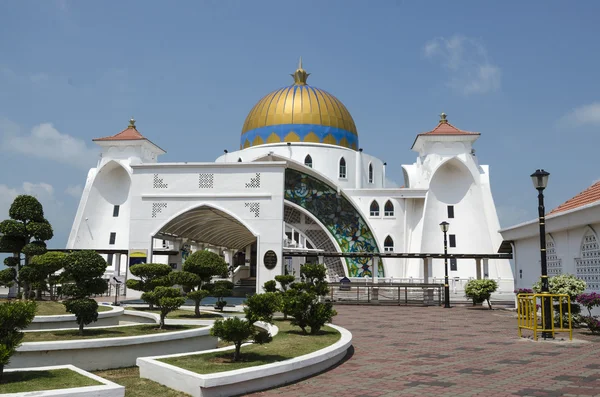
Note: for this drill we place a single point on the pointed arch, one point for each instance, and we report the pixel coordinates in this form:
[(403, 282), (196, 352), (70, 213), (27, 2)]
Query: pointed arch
[(308, 161), (374, 208), (342, 168), (388, 244), (388, 208), (553, 261), (371, 178), (587, 266)]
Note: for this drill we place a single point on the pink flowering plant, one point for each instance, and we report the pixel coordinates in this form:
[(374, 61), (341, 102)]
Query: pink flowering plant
[(590, 300)]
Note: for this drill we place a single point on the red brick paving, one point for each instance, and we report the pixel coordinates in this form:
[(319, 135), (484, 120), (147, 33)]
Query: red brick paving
[(463, 351)]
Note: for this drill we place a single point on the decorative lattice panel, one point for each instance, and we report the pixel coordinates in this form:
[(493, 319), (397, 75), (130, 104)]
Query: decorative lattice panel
[(254, 208), (339, 216), (554, 263), (206, 181), (335, 266), (159, 183), (157, 208), (588, 266), (254, 182)]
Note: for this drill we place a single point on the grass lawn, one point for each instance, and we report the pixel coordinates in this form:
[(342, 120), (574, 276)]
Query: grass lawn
[(136, 386), (26, 381), (52, 308), (180, 314), (92, 333), (289, 343)]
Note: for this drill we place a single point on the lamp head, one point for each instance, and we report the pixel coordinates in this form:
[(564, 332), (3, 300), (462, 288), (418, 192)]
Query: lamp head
[(444, 226), (540, 179)]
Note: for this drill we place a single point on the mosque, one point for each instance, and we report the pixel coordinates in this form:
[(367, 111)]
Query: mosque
[(300, 181)]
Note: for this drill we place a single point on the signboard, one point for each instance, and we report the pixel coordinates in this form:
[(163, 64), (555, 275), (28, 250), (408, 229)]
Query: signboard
[(137, 256), (270, 259)]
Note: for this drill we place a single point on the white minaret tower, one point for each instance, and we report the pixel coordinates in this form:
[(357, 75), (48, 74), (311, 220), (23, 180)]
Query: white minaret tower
[(102, 219), (458, 193)]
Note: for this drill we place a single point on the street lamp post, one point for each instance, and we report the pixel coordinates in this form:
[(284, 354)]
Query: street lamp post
[(444, 226), (540, 181)]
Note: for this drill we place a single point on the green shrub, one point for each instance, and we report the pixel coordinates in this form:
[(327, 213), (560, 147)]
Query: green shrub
[(167, 299), (480, 290), (260, 307), (303, 301), (233, 330), (150, 276), (82, 278), (562, 284), (270, 286), (14, 316)]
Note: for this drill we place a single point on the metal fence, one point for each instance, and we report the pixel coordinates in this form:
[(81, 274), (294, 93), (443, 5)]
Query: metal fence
[(391, 293)]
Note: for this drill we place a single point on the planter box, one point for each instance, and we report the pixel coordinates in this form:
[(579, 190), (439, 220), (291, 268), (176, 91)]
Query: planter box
[(107, 389), (106, 353), (244, 380)]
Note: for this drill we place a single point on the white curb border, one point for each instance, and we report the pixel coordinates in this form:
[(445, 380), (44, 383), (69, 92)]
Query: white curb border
[(244, 380), (107, 389), (60, 321)]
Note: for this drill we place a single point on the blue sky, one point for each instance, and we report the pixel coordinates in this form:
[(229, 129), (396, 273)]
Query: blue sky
[(524, 74)]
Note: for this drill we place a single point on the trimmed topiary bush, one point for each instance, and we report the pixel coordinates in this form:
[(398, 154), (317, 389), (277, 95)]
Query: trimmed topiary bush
[(14, 316), (167, 299), (481, 290)]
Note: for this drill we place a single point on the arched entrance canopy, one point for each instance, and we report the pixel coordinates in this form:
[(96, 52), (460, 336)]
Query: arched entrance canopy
[(209, 225)]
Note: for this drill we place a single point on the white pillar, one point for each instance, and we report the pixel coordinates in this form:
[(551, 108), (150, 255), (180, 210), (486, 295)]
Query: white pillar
[(117, 262), (248, 255), (425, 270), (375, 268), (486, 268), (478, 268)]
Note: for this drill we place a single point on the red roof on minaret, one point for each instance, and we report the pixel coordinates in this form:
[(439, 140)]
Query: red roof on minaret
[(445, 128), (588, 196), (128, 134)]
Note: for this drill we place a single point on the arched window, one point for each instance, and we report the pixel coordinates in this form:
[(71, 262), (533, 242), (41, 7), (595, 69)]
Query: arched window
[(388, 209), (588, 264), (342, 168), (370, 173), (239, 159), (554, 262), (388, 244), (308, 161), (374, 209)]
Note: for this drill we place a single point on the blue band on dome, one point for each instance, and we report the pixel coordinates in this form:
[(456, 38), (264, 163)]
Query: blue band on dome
[(283, 131)]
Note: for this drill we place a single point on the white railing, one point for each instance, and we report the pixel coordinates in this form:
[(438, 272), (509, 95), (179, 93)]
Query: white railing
[(239, 273)]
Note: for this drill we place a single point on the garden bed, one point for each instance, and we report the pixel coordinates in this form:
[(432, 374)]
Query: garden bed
[(107, 316), (108, 332), (54, 308), (181, 314), (288, 343), (65, 380), (294, 357)]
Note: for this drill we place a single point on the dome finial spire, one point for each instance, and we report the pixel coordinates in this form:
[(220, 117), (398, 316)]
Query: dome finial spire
[(443, 119), (300, 74), (131, 123)]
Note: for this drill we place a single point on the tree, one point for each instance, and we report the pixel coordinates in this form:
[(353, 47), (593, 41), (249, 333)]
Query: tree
[(285, 281), (81, 279), (40, 272), (25, 233), (304, 299), (206, 265), (481, 290), (151, 275), (235, 330), (222, 288), (166, 299), (14, 316)]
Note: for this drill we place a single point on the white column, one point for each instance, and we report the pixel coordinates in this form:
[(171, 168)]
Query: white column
[(425, 270), (117, 262), (486, 268), (478, 268), (375, 269), (248, 255)]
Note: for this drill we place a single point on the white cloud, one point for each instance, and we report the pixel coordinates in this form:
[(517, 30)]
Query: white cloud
[(583, 115), (466, 61), (74, 191), (45, 141)]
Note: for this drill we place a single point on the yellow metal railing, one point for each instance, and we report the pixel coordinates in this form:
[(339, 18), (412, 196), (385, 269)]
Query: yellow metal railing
[(528, 306)]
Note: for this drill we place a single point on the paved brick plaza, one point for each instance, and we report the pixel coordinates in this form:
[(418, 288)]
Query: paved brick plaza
[(463, 351)]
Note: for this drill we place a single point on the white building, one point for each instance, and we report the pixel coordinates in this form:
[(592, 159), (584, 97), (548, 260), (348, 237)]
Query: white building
[(299, 180), (572, 242)]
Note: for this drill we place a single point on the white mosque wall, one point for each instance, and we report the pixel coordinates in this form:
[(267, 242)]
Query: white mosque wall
[(325, 159), (250, 192), (567, 233)]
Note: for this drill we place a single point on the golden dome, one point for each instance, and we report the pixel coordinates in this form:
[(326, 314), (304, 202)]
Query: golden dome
[(299, 113)]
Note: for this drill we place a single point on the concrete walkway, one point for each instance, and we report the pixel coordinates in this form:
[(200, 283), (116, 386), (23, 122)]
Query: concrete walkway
[(463, 351)]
